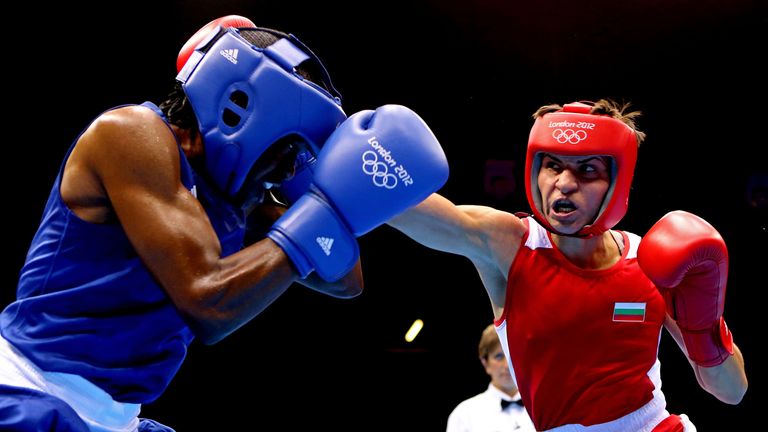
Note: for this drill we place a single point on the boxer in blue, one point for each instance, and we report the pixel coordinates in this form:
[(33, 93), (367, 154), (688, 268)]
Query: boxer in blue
[(146, 244)]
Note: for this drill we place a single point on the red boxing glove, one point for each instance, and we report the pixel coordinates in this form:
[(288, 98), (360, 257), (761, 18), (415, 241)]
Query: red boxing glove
[(226, 22), (687, 260)]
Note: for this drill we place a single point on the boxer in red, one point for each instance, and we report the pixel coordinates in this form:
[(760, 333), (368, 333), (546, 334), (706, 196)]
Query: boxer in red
[(579, 307)]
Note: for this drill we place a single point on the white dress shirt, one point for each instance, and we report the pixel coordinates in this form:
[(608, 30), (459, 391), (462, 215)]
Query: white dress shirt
[(483, 413)]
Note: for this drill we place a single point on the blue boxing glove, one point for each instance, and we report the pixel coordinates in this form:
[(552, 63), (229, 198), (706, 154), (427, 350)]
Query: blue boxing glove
[(373, 167), (304, 169)]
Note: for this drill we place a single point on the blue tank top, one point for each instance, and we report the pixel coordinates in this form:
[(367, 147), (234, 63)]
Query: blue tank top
[(86, 304)]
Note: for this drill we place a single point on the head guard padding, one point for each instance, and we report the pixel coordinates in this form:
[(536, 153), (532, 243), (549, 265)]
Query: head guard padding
[(246, 98), (573, 131)]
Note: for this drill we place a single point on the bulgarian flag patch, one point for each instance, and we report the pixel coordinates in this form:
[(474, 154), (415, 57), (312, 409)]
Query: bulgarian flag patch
[(629, 312)]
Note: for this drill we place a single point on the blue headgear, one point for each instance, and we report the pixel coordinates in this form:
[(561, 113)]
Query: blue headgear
[(246, 98)]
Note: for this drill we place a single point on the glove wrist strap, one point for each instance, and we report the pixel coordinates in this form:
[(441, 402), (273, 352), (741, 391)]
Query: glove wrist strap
[(710, 347)]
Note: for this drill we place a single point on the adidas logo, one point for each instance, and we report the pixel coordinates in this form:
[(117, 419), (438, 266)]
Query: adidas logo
[(325, 244), (230, 54)]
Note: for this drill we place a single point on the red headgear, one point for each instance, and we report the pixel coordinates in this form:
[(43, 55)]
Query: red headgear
[(573, 131)]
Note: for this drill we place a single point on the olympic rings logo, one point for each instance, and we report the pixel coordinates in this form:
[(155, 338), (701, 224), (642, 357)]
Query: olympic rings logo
[(378, 170), (569, 136)]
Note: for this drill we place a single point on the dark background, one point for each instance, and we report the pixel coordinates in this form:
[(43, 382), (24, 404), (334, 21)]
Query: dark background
[(475, 71)]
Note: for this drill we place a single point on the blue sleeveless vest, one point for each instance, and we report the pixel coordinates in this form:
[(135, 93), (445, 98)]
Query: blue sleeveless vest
[(86, 304)]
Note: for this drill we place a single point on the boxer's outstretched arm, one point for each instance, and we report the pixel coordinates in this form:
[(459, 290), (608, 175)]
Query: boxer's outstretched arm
[(439, 224), (490, 238), (476, 232)]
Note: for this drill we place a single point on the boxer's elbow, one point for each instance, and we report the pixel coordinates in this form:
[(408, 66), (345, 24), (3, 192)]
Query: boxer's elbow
[(727, 381), (732, 395)]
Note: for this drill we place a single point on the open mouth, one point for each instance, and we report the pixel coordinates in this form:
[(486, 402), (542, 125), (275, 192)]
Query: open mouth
[(563, 206)]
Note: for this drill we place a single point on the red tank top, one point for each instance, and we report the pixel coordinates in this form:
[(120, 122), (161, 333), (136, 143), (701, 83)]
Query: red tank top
[(581, 342)]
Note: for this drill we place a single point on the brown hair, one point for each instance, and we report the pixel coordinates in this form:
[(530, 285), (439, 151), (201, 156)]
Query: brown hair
[(489, 341)]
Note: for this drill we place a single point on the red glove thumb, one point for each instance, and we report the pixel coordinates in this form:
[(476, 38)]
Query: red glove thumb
[(191, 44)]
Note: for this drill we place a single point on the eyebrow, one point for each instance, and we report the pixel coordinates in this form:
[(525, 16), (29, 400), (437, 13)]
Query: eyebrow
[(600, 158), (578, 161)]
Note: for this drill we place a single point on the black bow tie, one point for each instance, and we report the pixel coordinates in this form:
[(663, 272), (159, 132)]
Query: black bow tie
[(506, 403)]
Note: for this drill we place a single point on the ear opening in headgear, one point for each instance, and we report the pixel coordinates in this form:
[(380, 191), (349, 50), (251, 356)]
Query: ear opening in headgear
[(230, 117)]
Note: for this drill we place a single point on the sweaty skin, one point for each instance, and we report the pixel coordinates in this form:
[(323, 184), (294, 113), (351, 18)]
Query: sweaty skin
[(126, 167)]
